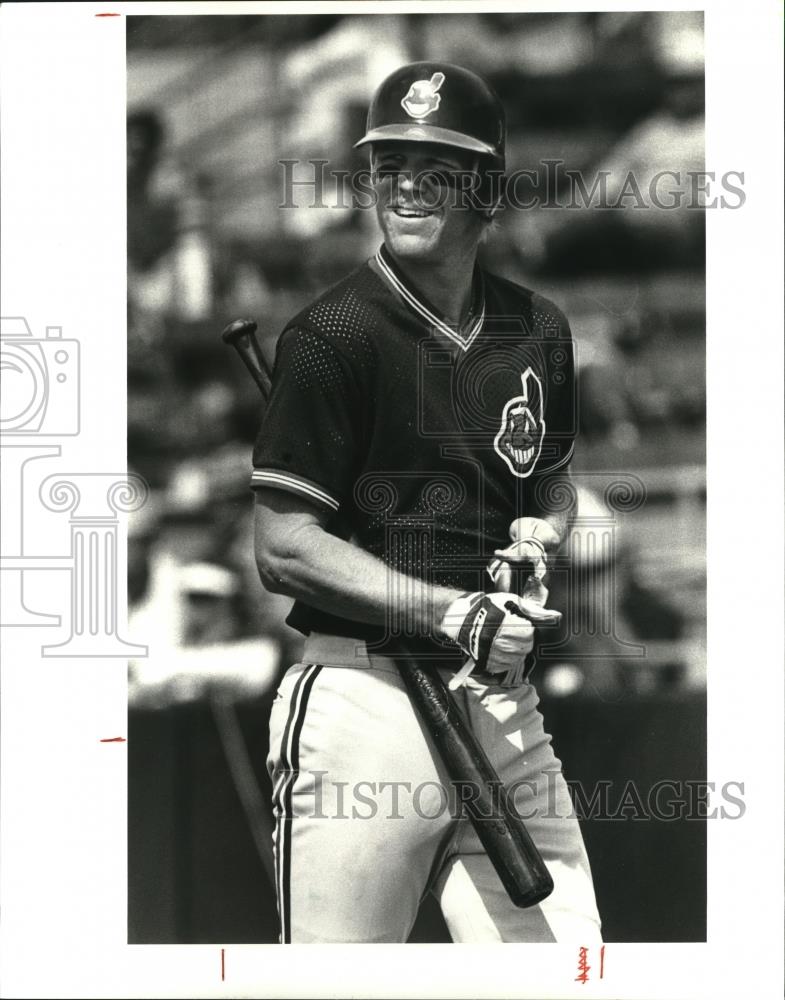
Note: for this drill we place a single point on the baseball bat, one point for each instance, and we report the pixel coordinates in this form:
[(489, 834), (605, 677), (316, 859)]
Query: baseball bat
[(500, 829)]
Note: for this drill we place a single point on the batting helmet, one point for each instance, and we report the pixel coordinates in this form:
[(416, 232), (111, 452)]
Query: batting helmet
[(440, 103)]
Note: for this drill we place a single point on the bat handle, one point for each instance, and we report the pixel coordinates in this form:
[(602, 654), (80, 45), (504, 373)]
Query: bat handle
[(238, 328)]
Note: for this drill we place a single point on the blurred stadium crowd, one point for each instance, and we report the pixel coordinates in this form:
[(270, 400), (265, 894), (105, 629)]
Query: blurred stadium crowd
[(213, 104)]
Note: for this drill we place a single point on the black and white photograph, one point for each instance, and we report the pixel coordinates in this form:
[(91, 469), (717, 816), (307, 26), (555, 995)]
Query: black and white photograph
[(472, 246), (389, 501)]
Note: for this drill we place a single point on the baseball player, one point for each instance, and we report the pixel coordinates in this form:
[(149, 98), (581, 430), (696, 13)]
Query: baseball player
[(417, 411)]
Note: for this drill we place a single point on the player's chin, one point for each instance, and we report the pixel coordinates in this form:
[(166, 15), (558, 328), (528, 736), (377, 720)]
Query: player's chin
[(412, 237)]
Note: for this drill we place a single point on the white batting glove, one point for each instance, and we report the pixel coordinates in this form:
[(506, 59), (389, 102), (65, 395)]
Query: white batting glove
[(532, 538), (495, 630)]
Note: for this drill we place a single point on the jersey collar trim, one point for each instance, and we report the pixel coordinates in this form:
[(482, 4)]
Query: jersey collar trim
[(393, 275)]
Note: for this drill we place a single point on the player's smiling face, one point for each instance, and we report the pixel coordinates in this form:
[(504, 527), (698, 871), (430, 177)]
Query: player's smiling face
[(417, 204)]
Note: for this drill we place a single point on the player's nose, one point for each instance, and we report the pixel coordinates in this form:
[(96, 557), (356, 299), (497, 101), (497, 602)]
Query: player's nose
[(419, 181), (404, 180)]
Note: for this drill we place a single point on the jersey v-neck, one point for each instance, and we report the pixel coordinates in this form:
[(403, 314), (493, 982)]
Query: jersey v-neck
[(463, 335)]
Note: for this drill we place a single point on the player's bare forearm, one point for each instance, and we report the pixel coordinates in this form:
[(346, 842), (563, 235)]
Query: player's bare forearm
[(297, 557)]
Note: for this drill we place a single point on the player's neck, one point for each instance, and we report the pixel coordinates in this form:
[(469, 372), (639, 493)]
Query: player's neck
[(446, 284)]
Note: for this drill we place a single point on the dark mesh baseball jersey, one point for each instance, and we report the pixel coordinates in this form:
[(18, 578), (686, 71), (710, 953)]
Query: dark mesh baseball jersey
[(421, 441)]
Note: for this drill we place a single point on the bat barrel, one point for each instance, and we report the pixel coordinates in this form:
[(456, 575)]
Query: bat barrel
[(500, 829)]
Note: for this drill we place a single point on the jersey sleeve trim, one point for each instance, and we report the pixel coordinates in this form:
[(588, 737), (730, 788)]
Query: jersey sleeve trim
[(293, 484)]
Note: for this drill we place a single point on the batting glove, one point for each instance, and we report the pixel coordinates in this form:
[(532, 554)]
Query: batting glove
[(495, 630), (532, 538)]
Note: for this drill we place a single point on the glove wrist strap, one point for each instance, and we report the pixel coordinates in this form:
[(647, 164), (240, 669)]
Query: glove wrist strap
[(479, 629)]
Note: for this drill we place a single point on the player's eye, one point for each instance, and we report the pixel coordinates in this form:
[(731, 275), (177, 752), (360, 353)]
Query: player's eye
[(443, 177), (391, 172), (436, 176), (387, 170)]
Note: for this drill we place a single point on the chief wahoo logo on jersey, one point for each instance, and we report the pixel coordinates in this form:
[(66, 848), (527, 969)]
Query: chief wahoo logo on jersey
[(423, 97), (519, 441)]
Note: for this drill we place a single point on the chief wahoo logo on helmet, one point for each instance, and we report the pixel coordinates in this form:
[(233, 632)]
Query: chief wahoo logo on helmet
[(423, 97), (519, 440)]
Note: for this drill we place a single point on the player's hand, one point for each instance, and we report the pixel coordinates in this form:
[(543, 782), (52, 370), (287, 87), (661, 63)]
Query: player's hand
[(495, 630), (532, 539)]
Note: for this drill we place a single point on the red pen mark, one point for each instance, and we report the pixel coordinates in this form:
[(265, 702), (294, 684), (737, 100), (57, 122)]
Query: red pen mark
[(107, 15), (602, 961), (223, 966), (583, 966), (113, 739)]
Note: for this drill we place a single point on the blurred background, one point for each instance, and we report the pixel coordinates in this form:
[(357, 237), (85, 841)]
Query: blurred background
[(214, 102)]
